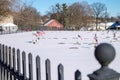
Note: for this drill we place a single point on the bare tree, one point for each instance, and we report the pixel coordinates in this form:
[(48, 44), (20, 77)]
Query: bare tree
[(79, 15), (106, 16), (118, 17), (87, 16), (6, 7), (99, 10), (73, 16), (59, 12), (25, 16), (29, 17)]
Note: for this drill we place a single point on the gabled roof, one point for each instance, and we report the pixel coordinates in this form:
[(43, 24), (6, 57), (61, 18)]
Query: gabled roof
[(8, 24), (48, 22), (53, 23), (115, 25)]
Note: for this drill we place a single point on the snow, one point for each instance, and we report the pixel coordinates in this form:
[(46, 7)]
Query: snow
[(65, 47)]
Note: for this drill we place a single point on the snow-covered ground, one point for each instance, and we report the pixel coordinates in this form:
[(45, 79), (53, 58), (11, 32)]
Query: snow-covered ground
[(65, 47)]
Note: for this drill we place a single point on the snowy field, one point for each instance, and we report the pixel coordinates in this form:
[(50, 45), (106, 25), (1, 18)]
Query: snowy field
[(73, 49)]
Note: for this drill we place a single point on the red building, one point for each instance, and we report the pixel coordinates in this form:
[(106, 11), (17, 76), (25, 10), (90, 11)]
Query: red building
[(53, 24)]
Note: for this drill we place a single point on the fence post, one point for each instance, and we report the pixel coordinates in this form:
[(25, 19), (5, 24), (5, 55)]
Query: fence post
[(60, 72), (30, 66), (48, 69), (18, 62), (105, 54), (77, 75), (38, 70), (24, 64)]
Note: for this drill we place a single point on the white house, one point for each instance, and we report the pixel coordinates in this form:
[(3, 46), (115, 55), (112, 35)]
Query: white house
[(9, 27), (102, 26), (7, 24)]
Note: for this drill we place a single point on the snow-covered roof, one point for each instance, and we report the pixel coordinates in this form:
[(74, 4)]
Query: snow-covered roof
[(53, 23), (107, 24), (48, 22), (8, 24)]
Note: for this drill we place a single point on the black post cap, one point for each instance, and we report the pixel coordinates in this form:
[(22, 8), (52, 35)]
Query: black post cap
[(105, 53)]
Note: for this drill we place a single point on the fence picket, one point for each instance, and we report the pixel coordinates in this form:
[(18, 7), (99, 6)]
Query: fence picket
[(77, 75), (24, 64), (4, 55), (60, 72), (38, 74), (48, 69), (7, 56), (10, 63), (10, 60), (14, 63), (6, 70), (18, 62), (5, 63), (14, 60), (30, 66), (0, 54), (0, 62), (9, 70)]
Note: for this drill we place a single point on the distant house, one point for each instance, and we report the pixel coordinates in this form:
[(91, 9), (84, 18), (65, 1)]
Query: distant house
[(8, 27), (115, 25), (101, 26), (53, 24), (7, 24)]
